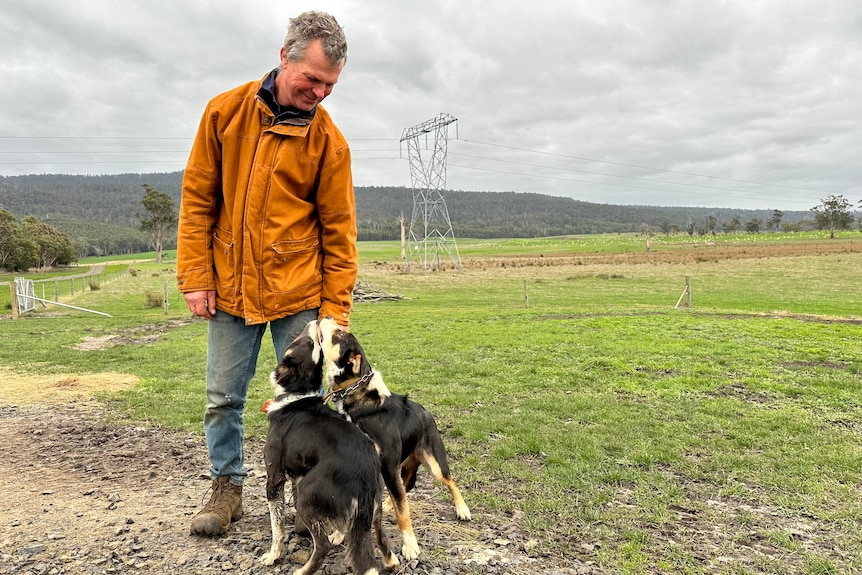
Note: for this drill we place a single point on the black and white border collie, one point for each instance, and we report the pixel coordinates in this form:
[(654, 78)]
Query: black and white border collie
[(335, 467), (406, 433)]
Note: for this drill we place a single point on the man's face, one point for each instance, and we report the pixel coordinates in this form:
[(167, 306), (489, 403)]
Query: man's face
[(306, 83)]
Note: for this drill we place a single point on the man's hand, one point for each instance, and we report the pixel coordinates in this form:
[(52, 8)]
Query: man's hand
[(201, 303)]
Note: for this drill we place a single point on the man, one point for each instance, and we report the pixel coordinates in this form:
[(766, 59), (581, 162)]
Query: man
[(267, 233)]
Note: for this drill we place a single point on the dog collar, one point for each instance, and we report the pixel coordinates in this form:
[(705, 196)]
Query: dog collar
[(340, 393), (284, 400)]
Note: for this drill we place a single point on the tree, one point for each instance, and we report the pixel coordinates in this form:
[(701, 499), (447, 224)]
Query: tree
[(774, 222), (753, 225), (16, 251), (733, 226), (162, 218), (833, 214), (53, 246), (709, 223), (10, 234), (647, 233)]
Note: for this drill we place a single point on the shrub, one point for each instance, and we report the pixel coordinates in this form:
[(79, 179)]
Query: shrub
[(152, 299)]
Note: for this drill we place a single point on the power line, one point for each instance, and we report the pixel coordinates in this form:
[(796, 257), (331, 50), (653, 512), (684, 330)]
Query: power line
[(598, 183), (98, 152), (91, 138), (52, 163), (357, 154), (646, 167), (564, 169)]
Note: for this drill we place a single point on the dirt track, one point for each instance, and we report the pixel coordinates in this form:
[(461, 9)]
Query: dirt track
[(85, 495)]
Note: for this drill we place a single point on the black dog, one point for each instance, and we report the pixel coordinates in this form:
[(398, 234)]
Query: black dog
[(335, 467), (405, 432)]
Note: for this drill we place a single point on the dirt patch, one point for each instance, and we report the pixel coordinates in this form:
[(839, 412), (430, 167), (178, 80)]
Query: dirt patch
[(137, 335), (89, 493), (664, 254), (59, 388)]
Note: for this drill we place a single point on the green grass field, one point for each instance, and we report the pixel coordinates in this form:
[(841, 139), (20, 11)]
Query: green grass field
[(720, 438)]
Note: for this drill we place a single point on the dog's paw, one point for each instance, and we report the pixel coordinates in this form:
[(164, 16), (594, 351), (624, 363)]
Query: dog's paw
[(463, 513), (269, 558), (391, 562), (409, 547), (336, 538)]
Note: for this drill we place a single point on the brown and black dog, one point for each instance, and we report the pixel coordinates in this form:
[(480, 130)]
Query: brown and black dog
[(406, 433), (334, 465)]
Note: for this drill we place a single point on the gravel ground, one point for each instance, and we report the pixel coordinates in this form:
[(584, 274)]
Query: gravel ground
[(86, 495)]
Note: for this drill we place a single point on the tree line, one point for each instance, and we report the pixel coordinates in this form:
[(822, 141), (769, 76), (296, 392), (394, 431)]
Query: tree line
[(31, 243), (81, 216)]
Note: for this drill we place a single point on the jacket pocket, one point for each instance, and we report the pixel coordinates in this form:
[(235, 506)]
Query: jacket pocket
[(296, 271), (224, 264)]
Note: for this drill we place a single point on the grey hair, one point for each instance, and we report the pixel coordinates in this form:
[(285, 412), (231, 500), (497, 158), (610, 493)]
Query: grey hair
[(310, 26)]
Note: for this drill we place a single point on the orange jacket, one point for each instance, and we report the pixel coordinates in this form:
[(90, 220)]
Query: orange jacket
[(267, 215)]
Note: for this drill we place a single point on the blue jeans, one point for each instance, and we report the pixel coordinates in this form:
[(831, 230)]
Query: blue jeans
[(232, 350)]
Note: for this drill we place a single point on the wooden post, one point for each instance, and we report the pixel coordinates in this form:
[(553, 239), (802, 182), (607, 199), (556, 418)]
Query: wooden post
[(687, 292), (403, 237), (526, 295), (165, 300)]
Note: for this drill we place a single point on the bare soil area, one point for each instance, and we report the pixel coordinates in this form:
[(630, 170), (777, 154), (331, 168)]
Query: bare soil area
[(87, 493)]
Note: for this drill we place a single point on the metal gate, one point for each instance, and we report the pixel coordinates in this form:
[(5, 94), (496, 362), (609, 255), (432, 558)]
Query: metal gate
[(26, 295)]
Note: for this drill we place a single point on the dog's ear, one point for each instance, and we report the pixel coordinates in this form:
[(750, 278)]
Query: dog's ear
[(355, 362), (276, 374), (284, 372)]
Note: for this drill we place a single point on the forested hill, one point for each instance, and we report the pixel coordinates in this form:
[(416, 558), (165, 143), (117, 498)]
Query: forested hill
[(115, 200)]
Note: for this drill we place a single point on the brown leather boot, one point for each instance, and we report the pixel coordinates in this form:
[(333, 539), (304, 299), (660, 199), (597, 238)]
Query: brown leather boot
[(224, 506)]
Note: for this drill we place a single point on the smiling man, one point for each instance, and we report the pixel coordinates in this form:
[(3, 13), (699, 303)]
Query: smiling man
[(267, 233)]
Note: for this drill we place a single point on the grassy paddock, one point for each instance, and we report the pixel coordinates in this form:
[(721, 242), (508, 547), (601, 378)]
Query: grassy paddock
[(722, 438)]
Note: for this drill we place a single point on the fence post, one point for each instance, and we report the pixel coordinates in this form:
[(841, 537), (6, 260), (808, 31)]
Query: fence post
[(687, 292), (14, 289), (165, 289)]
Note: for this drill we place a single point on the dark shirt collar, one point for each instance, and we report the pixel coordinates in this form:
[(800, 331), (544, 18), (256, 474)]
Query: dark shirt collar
[(283, 114)]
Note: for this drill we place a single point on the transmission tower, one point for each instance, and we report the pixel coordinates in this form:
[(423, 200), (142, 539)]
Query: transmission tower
[(430, 227)]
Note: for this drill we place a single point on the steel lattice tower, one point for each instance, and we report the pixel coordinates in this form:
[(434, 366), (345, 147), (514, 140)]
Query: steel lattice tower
[(430, 227)]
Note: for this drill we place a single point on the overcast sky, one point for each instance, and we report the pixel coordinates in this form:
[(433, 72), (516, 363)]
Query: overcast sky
[(735, 103)]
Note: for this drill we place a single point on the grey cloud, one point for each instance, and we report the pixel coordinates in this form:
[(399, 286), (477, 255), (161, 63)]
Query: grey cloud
[(752, 90)]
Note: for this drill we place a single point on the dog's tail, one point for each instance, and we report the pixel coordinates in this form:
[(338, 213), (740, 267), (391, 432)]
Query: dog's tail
[(360, 549)]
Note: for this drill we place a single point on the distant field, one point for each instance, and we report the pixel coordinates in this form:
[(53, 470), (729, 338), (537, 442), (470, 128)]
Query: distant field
[(575, 397), (611, 244)]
